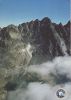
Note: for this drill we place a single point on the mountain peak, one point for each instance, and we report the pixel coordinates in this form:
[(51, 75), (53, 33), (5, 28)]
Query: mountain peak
[(49, 39), (46, 19), (68, 24)]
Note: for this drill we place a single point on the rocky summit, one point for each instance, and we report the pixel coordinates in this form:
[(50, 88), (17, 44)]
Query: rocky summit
[(49, 39), (29, 43)]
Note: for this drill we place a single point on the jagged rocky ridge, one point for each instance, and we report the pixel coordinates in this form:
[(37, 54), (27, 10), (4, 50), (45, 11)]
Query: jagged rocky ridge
[(46, 40), (49, 39)]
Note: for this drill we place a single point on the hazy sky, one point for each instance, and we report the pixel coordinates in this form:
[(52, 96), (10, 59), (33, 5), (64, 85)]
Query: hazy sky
[(19, 11)]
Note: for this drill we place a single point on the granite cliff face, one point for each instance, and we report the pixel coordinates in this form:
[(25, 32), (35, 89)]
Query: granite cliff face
[(49, 39)]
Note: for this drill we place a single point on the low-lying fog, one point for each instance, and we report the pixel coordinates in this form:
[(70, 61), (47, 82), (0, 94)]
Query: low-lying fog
[(55, 75)]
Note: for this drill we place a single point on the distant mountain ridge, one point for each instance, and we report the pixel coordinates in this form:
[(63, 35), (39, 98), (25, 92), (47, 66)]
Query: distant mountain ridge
[(49, 39)]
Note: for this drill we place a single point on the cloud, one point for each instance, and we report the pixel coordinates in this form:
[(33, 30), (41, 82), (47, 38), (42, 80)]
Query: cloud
[(59, 66), (38, 91), (54, 71)]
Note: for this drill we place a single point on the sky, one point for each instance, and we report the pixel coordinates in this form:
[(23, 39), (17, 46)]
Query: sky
[(19, 11)]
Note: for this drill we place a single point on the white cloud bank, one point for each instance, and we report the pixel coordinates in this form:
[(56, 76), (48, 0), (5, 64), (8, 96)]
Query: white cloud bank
[(38, 91), (46, 91), (60, 65)]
